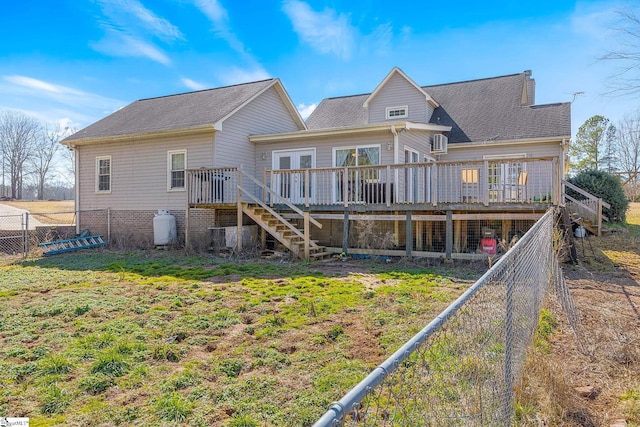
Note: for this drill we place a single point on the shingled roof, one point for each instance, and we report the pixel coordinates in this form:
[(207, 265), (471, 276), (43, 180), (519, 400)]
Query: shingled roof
[(477, 110), (173, 112)]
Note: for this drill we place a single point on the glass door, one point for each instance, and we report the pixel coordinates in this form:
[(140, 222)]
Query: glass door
[(292, 185), (411, 176)]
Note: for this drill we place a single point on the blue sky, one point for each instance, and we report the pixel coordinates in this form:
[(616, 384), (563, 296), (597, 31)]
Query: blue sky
[(75, 61)]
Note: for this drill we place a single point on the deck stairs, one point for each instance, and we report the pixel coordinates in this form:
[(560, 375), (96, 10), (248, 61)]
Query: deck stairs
[(587, 211), (283, 231), (296, 240)]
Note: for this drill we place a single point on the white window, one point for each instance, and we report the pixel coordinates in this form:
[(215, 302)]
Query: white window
[(397, 112), (103, 174), (176, 165), (357, 156)]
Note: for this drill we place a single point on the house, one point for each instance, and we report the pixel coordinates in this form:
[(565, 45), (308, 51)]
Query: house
[(405, 169)]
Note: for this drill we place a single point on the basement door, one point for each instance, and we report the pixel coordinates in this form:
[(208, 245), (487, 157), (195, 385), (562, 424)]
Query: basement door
[(292, 185)]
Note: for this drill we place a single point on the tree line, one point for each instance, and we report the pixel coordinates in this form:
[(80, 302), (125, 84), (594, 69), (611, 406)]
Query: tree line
[(32, 158), (613, 148)]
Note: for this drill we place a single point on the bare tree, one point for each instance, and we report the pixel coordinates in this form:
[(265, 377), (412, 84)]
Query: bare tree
[(18, 134), (628, 148), (41, 161), (626, 54), (69, 160)]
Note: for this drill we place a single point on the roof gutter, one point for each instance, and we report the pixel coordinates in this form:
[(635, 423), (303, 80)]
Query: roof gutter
[(493, 143), (318, 133), (72, 143)]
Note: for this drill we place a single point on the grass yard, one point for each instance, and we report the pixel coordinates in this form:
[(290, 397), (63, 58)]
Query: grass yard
[(48, 211), (150, 338)]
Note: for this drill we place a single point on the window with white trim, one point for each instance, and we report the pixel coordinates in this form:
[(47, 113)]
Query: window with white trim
[(176, 165), (401, 112), (103, 174)]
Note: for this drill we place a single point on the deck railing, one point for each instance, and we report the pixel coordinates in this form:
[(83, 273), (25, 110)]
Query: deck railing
[(585, 205), (481, 182)]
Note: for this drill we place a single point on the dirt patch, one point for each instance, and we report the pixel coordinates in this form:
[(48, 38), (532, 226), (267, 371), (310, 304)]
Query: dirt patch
[(606, 290)]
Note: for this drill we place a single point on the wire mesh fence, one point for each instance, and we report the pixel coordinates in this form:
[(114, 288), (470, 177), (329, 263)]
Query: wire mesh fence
[(21, 234), (461, 369)]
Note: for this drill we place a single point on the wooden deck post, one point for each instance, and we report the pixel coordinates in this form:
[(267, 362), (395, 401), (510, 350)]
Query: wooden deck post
[(187, 237), (239, 216), (345, 187), (457, 241), (449, 236), (434, 185), (599, 219), (345, 232), (485, 187), (307, 252), (409, 235), (307, 186), (388, 187), (419, 236), (264, 190)]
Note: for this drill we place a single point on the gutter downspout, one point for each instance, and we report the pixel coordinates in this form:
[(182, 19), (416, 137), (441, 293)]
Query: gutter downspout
[(395, 145)]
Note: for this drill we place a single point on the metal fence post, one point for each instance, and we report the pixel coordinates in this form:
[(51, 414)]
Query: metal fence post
[(26, 234), (508, 344)]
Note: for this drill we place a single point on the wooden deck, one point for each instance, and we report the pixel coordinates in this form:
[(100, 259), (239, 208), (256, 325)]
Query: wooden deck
[(421, 196), (475, 185)]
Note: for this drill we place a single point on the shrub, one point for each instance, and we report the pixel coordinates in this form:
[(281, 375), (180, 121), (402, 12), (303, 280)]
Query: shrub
[(607, 187)]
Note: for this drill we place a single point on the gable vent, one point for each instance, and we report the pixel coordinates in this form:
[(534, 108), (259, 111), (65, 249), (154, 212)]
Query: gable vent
[(439, 144)]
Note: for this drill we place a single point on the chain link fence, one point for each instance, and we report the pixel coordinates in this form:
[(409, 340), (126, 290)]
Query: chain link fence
[(462, 368), (21, 234)]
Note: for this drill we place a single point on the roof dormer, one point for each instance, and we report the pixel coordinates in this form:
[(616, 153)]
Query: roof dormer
[(397, 98)]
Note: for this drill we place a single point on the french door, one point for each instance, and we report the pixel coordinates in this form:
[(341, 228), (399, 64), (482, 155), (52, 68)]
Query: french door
[(292, 185)]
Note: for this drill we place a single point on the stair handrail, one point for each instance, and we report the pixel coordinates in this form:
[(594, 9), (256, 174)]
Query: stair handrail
[(584, 193), (266, 207), (273, 194), (585, 206)]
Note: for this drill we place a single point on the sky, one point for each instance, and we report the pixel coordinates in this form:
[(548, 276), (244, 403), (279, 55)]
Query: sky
[(73, 62)]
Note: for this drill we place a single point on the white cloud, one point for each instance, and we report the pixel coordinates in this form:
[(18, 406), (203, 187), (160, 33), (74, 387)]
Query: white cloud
[(236, 75), (327, 32), (306, 110), (37, 94), (192, 84), (35, 84), (219, 17), (120, 44), (131, 14), (129, 28)]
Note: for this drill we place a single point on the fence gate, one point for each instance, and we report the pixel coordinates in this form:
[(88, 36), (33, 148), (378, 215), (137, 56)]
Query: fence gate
[(14, 236)]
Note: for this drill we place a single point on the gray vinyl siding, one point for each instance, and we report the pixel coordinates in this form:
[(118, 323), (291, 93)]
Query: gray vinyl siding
[(324, 148), (264, 115), (549, 149), (395, 93), (139, 172), (417, 141)]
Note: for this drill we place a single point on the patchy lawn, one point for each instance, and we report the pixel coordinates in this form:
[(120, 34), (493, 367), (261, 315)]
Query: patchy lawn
[(147, 338)]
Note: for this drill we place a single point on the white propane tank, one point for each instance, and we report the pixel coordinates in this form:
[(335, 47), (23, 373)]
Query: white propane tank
[(164, 228), (580, 232)]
